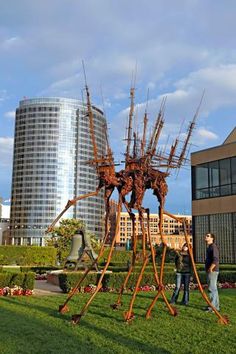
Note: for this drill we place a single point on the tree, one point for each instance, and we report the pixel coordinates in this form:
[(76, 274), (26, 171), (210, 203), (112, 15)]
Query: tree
[(170, 254), (61, 236)]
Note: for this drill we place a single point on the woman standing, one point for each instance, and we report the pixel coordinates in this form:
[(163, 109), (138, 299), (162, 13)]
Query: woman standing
[(183, 273)]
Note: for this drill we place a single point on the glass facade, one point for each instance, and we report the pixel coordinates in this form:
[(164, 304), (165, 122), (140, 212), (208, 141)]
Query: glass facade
[(214, 179), (224, 227), (52, 146)]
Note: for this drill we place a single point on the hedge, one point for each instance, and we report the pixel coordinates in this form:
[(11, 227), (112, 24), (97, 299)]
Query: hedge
[(112, 280), (117, 256), (223, 267), (28, 255), (124, 268), (125, 256), (24, 280), (68, 280), (38, 269)]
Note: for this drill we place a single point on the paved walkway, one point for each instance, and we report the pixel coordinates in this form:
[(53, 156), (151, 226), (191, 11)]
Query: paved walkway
[(42, 287)]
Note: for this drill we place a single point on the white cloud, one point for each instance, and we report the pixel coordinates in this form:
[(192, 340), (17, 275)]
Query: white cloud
[(218, 82), (120, 95), (206, 134), (6, 151), (9, 42), (61, 86), (3, 96), (10, 114)]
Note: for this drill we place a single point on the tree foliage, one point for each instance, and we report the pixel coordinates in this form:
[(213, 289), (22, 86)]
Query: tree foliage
[(61, 235), (170, 254)]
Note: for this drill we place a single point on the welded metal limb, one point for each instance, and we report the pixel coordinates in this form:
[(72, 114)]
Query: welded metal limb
[(68, 205), (76, 317), (64, 308), (129, 314), (222, 319), (117, 304), (163, 242), (161, 288), (153, 254)]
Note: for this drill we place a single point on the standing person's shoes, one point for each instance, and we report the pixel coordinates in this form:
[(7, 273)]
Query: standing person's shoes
[(209, 309), (184, 303)]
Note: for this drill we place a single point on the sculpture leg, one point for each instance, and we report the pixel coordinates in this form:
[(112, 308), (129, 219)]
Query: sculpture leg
[(68, 205), (163, 242), (161, 288), (222, 319), (153, 255), (129, 314), (134, 238), (76, 317), (64, 308)]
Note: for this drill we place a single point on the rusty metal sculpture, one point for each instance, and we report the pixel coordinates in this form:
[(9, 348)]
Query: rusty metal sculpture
[(143, 170)]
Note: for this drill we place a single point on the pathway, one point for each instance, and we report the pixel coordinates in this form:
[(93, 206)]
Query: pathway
[(42, 287)]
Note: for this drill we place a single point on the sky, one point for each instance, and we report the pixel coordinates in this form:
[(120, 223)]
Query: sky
[(177, 49)]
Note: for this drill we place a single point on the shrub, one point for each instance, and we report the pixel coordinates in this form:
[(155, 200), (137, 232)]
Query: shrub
[(223, 267), (112, 280), (11, 269), (227, 276), (69, 280), (5, 279), (115, 280), (17, 279), (24, 280), (224, 276), (28, 255), (28, 282), (117, 256), (38, 269)]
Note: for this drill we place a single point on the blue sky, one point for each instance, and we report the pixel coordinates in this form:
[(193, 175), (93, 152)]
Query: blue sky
[(181, 48)]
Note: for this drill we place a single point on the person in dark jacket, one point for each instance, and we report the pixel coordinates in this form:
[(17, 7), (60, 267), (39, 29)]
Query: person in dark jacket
[(183, 273), (212, 270)]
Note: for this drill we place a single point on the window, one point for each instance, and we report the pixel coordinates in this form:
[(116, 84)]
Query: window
[(202, 176), (214, 179), (223, 226)]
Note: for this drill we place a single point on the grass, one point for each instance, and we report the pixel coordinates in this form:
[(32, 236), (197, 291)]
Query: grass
[(33, 325)]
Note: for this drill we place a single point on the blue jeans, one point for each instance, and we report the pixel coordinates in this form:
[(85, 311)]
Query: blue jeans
[(181, 278), (212, 289)]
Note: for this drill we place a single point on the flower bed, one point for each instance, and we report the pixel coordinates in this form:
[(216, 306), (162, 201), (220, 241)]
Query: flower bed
[(15, 291), (67, 280)]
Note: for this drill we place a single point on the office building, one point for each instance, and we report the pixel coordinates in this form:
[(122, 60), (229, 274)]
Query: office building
[(172, 229), (51, 149), (214, 198)]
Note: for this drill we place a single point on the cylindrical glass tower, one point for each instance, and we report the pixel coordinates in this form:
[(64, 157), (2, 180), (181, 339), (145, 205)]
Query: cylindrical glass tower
[(51, 148)]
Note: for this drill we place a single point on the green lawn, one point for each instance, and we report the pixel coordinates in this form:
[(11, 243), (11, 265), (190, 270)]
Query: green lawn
[(33, 325)]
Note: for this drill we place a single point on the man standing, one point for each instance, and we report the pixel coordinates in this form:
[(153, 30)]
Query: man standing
[(212, 269)]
